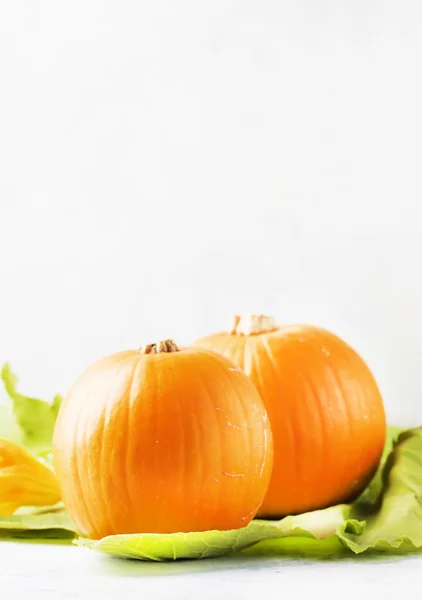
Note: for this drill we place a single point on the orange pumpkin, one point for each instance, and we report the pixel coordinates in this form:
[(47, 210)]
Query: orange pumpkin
[(162, 440), (324, 405)]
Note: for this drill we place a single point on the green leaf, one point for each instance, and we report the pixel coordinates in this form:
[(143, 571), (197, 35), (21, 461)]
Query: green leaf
[(394, 523), (9, 428), (393, 433), (55, 523), (300, 546), (26, 420), (160, 547), (371, 493)]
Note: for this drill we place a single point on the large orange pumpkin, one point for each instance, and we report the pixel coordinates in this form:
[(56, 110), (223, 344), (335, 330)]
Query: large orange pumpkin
[(162, 440), (324, 405)]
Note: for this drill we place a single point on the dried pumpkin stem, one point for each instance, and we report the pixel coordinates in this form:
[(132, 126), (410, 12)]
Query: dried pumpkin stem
[(159, 347), (252, 324)]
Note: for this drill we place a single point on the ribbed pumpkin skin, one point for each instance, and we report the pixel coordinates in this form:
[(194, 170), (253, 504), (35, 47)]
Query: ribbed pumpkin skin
[(325, 409), (162, 443)]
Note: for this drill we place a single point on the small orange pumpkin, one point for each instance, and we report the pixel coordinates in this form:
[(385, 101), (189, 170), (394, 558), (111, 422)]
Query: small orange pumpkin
[(162, 440), (324, 405)]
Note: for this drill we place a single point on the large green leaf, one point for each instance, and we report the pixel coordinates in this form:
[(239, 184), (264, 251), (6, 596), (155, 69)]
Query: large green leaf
[(160, 547), (394, 523), (27, 420), (372, 492), (54, 523)]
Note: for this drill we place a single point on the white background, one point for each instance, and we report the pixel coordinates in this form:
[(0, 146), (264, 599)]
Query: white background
[(166, 164)]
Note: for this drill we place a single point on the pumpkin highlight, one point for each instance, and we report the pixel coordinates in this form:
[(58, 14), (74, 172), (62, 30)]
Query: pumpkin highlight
[(162, 440), (325, 409)]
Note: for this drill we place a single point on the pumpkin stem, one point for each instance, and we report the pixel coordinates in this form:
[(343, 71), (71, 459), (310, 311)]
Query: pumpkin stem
[(252, 324), (159, 347)]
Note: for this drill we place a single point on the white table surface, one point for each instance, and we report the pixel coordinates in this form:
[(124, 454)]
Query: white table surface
[(42, 572)]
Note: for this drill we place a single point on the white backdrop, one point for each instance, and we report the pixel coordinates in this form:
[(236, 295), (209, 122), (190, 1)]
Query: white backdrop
[(166, 164)]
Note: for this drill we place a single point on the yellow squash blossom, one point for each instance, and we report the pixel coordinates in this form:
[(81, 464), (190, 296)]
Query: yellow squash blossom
[(24, 480)]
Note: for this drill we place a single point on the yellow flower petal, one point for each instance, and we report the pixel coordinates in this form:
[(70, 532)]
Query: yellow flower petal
[(24, 480)]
